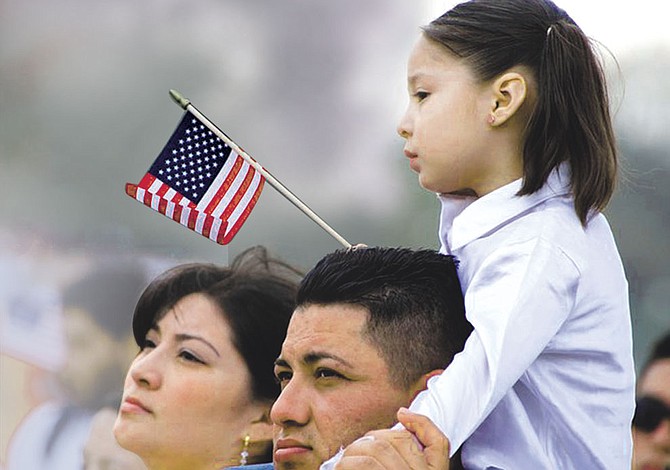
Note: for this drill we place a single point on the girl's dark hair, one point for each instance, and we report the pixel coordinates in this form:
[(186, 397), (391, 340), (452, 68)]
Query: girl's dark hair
[(571, 120), (256, 295)]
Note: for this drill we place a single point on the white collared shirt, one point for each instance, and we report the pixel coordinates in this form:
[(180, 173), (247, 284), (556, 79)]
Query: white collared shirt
[(546, 379)]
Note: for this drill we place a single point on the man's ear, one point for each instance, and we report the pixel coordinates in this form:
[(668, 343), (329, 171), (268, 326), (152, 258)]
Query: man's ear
[(422, 382), (509, 94)]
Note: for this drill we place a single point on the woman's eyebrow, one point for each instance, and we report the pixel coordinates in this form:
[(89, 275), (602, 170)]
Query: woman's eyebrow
[(186, 336)]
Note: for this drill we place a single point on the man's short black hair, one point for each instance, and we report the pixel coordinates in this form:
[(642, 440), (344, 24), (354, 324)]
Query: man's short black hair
[(414, 299)]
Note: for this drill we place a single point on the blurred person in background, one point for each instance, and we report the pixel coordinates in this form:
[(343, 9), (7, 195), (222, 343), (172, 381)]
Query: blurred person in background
[(198, 394), (96, 312), (651, 423)]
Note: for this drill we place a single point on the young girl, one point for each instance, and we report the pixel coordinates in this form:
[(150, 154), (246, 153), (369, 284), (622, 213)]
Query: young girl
[(509, 124)]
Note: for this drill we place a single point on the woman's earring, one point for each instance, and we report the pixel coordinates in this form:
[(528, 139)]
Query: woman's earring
[(491, 119), (244, 455)]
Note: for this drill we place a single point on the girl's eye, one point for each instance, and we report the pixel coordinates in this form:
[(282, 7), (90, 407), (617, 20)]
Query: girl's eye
[(421, 95)]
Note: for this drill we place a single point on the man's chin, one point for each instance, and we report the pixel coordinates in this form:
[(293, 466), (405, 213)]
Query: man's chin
[(296, 459)]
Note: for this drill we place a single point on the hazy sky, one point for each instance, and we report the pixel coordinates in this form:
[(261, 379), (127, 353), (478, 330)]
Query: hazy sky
[(621, 25)]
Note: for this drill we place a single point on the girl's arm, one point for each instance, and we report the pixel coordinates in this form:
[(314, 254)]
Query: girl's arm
[(517, 300)]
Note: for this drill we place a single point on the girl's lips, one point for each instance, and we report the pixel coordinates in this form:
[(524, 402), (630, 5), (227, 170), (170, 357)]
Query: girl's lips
[(414, 164)]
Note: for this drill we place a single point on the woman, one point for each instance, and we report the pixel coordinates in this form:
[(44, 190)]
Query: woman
[(199, 392)]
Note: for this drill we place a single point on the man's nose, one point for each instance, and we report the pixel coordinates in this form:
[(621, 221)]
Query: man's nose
[(292, 407)]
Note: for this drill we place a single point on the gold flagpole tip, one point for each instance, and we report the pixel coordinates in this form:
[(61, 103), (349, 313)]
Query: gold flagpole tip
[(179, 99)]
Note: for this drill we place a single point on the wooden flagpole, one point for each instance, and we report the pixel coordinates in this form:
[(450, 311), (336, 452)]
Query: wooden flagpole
[(186, 104)]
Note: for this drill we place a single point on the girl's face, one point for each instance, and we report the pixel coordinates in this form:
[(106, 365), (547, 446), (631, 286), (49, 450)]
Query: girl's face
[(445, 124), (187, 395)]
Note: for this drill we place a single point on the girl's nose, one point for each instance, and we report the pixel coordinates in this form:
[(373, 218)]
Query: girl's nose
[(404, 128)]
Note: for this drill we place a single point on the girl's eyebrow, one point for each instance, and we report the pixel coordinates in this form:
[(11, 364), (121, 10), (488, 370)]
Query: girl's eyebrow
[(185, 337), (415, 77)]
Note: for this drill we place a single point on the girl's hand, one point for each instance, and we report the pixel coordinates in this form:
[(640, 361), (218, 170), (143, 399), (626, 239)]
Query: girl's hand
[(421, 446)]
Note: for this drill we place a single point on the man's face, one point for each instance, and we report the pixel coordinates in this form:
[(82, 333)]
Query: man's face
[(335, 386)]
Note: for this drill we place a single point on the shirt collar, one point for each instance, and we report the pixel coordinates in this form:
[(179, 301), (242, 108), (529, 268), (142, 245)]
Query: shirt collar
[(464, 219)]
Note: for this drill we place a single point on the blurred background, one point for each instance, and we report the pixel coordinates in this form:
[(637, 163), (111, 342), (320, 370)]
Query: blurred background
[(312, 89)]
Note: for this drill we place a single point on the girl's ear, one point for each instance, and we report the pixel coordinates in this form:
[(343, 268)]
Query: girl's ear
[(510, 91)]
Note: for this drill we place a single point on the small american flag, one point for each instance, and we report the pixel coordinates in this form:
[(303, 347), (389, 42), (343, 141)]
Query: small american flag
[(200, 182)]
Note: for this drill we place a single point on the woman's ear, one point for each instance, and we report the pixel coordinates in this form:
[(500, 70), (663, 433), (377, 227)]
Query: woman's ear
[(257, 442), (261, 425), (509, 91)]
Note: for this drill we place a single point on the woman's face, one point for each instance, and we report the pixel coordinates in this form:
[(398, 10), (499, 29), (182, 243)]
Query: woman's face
[(187, 395)]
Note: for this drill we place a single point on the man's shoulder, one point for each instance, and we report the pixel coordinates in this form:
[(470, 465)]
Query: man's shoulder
[(260, 466)]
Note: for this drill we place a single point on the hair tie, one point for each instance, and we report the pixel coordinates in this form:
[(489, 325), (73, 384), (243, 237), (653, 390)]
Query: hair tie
[(551, 26)]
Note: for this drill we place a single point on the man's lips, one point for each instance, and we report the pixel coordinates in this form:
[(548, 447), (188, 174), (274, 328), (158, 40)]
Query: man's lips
[(287, 449), (134, 406)]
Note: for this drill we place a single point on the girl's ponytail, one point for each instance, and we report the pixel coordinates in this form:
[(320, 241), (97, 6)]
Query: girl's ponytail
[(571, 121)]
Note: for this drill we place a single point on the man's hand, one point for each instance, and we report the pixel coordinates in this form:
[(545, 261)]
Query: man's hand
[(422, 446)]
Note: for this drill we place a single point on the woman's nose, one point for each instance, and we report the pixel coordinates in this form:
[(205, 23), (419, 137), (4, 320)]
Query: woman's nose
[(145, 370)]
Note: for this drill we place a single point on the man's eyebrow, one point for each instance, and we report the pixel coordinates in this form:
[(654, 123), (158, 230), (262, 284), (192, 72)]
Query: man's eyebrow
[(317, 356), (314, 357), (186, 336)]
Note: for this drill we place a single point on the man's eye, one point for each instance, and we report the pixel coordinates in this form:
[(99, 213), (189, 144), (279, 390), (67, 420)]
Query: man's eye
[(283, 376), (327, 374)]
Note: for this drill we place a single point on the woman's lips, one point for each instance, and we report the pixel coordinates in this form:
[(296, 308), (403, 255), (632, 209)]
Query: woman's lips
[(134, 406)]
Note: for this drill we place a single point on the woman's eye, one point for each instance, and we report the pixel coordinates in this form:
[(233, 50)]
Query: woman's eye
[(189, 356), (147, 344)]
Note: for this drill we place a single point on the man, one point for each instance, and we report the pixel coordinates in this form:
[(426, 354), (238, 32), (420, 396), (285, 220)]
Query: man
[(371, 326), (651, 424)]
